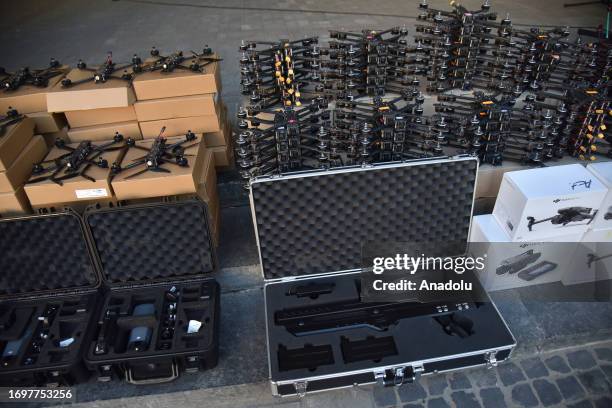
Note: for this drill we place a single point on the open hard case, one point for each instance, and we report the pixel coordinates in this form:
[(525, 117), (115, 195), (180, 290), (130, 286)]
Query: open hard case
[(48, 293), (160, 316), (311, 227)]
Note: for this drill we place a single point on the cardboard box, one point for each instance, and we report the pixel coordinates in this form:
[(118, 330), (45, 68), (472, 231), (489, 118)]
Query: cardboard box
[(13, 178), (180, 126), (93, 117), (540, 203), (222, 137), (592, 260), (78, 189), (180, 180), (517, 264), (50, 138), (45, 122), (603, 172), (157, 84), (224, 156), (29, 98), (177, 107), (14, 203), (105, 132), (113, 93), (13, 141)]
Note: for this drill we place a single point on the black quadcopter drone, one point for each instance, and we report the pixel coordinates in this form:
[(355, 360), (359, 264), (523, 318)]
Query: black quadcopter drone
[(12, 117), (34, 77), (160, 153), (75, 162), (565, 216), (106, 71), (179, 61)]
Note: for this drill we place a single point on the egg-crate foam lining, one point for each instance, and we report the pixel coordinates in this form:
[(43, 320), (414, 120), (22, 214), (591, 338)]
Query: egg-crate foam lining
[(147, 242), (317, 223), (43, 254)]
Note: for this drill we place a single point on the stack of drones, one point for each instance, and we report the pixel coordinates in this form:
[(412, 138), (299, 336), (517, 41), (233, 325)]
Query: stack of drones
[(501, 93)]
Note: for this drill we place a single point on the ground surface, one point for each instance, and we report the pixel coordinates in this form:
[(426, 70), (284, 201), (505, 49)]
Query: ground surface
[(543, 371)]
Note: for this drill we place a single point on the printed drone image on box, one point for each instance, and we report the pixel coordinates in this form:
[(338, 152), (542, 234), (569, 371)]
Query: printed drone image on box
[(592, 259), (547, 202), (518, 264), (603, 171)]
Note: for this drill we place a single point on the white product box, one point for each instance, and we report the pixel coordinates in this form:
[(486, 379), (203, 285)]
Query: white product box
[(539, 204), (603, 171), (592, 260), (517, 264)]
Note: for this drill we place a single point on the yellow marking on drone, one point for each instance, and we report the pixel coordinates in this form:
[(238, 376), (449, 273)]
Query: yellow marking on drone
[(298, 103), (581, 157), (603, 127), (287, 59), (593, 158), (600, 135), (290, 71), (599, 111), (487, 103), (593, 148), (589, 136), (288, 103), (277, 64), (290, 91), (590, 127), (591, 92), (298, 94), (383, 108)]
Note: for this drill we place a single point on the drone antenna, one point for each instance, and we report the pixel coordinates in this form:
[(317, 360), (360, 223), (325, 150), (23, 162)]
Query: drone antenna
[(161, 132), (109, 57)]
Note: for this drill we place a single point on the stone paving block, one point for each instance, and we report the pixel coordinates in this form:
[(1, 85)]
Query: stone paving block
[(436, 384), (607, 368), (581, 404), (465, 399), (492, 398), (459, 381), (558, 364), (384, 397), (437, 403), (510, 373), (547, 392), (522, 395), (594, 382), (605, 402), (534, 367), (411, 392), (581, 359), (570, 388), (604, 354), (484, 378)]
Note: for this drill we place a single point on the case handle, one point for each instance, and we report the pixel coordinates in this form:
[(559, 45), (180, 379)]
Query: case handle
[(174, 373)]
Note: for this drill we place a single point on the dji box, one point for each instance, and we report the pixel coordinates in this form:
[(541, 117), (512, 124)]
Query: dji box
[(548, 202), (603, 171), (592, 260), (515, 264)]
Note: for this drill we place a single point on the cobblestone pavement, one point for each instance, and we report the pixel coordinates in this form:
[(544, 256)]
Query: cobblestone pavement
[(579, 377)]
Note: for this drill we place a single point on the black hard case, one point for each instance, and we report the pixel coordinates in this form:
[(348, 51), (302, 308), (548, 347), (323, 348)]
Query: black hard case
[(311, 227), (45, 264), (142, 251)]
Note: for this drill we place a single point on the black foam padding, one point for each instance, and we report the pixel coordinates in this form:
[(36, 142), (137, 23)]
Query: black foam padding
[(317, 223), (152, 242), (44, 253)]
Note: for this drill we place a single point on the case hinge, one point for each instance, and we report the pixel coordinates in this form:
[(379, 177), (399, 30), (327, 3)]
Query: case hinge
[(300, 388), (491, 359)]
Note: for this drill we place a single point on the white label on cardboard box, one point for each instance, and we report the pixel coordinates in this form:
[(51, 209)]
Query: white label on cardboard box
[(91, 193)]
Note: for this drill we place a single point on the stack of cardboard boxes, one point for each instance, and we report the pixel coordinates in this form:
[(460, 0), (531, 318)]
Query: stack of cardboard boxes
[(20, 149), (539, 217)]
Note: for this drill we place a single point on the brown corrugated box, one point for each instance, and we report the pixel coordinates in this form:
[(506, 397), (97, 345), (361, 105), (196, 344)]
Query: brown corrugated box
[(177, 107), (180, 126), (157, 84), (113, 93), (14, 203), (93, 117), (13, 178), (105, 132), (207, 191), (46, 122), (29, 98), (221, 137), (13, 141), (224, 156), (50, 138), (48, 193), (180, 180)]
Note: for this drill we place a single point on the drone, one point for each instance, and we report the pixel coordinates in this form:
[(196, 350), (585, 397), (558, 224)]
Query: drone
[(179, 61), (106, 71), (33, 77), (160, 153), (12, 117), (565, 216), (75, 162), (594, 258)]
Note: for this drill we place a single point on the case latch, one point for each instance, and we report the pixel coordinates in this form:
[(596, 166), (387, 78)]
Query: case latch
[(192, 364), (300, 388), (395, 376), (491, 359)]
